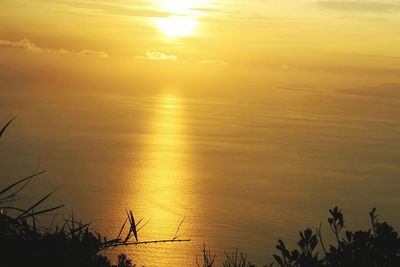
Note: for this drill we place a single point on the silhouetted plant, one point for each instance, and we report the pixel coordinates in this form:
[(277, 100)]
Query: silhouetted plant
[(24, 242), (236, 259), (208, 259), (123, 261), (376, 247)]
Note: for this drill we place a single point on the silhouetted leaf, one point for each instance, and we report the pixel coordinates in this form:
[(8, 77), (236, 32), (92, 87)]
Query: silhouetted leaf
[(42, 211), (122, 229), (20, 181), (36, 204), (133, 225), (278, 259), (5, 127)]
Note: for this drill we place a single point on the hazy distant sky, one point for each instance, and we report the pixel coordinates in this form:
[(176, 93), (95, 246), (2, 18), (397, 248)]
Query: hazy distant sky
[(285, 37)]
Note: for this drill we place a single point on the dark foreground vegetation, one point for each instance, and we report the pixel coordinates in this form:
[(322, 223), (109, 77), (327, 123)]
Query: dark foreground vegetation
[(378, 246), (67, 242)]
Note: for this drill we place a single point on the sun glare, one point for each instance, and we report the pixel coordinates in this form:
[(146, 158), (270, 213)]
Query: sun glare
[(176, 26), (183, 19)]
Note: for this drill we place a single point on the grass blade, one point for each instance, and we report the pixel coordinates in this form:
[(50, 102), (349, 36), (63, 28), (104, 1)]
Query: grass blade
[(40, 212), (133, 225), (122, 229), (5, 127), (36, 204), (177, 229), (20, 181)]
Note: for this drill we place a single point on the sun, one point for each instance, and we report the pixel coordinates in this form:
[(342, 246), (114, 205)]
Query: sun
[(176, 26), (183, 19)]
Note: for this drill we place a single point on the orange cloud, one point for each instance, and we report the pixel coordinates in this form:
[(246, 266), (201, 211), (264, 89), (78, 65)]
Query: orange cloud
[(214, 62), (27, 45), (158, 56)]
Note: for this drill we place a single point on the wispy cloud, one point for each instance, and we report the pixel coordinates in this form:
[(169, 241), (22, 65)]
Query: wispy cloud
[(213, 62), (27, 45), (359, 6), (93, 53), (389, 90), (23, 44), (156, 55), (107, 8)]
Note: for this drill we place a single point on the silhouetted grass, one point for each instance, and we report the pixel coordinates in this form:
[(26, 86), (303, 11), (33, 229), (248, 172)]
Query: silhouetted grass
[(236, 259), (24, 242)]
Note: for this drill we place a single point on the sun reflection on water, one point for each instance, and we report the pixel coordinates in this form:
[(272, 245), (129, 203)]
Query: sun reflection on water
[(163, 176)]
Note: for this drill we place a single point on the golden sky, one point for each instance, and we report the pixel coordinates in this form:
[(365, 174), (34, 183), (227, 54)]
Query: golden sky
[(255, 39)]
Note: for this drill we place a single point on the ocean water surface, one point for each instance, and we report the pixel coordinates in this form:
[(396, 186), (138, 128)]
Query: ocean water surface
[(241, 170)]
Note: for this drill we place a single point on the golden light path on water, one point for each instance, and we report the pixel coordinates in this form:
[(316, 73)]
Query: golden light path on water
[(162, 181)]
